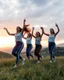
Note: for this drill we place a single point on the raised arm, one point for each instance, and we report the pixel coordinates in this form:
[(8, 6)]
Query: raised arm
[(45, 33), (33, 32), (23, 25), (42, 31), (24, 36), (9, 32), (57, 29)]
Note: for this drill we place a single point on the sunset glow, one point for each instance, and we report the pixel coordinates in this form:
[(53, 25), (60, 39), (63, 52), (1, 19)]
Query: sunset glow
[(38, 13), (6, 42)]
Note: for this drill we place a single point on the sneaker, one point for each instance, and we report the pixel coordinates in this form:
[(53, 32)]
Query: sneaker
[(42, 58), (23, 62), (50, 61), (38, 62), (15, 66)]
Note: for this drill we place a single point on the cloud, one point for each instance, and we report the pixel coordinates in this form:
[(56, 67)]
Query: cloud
[(40, 12)]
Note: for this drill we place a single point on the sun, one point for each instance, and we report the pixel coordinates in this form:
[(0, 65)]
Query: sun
[(6, 42)]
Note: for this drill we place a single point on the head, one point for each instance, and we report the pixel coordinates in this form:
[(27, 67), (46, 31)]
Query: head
[(37, 34), (18, 29), (29, 35), (52, 31)]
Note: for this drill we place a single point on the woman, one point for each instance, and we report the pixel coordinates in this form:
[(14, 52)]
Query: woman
[(51, 42), (38, 45), (19, 43), (29, 45)]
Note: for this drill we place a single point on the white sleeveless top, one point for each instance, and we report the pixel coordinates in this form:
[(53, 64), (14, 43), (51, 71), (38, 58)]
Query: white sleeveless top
[(18, 37), (51, 38), (28, 41), (38, 40)]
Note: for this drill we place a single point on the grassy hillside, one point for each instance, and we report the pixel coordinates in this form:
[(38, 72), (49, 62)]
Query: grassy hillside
[(5, 55), (59, 51), (32, 71), (61, 45)]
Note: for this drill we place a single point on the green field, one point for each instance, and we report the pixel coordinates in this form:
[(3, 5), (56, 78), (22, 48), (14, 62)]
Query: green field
[(31, 70)]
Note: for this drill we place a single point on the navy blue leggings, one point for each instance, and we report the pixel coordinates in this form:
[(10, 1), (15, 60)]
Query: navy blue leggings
[(51, 49), (28, 50), (17, 50)]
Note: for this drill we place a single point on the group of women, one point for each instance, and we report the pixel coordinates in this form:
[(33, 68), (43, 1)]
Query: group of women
[(20, 33)]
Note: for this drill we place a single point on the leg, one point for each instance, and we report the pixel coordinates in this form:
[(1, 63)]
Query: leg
[(20, 47), (27, 52), (29, 47), (39, 49), (50, 51), (31, 56), (35, 52), (14, 51), (30, 51)]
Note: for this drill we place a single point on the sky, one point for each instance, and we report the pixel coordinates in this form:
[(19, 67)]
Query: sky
[(37, 13)]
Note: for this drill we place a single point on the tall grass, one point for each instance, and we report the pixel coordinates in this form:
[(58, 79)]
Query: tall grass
[(31, 70)]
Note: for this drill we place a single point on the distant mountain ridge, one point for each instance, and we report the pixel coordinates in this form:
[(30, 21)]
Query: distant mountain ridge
[(59, 51), (61, 45)]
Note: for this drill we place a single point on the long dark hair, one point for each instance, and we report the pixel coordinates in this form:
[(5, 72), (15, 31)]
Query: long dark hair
[(20, 29), (53, 32), (26, 29), (39, 34)]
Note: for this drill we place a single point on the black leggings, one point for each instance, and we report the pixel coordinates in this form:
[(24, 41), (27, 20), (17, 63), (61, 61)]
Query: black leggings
[(37, 51)]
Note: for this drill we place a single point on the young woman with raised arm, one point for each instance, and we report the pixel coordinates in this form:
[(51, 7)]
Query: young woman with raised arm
[(19, 43), (38, 45), (51, 42)]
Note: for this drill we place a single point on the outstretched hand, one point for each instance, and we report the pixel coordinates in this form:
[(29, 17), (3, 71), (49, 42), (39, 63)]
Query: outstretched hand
[(41, 27), (33, 28), (5, 28), (56, 24), (24, 20)]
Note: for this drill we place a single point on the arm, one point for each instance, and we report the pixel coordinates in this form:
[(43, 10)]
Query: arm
[(24, 37), (42, 31), (32, 32), (23, 25), (45, 33), (58, 29), (9, 32)]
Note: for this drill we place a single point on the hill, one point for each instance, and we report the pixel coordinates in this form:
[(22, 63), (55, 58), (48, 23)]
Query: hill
[(61, 45), (32, 71), (59, 51), (5, 55)]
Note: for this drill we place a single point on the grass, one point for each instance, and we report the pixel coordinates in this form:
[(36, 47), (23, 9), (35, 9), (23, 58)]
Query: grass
[(31, 70)]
